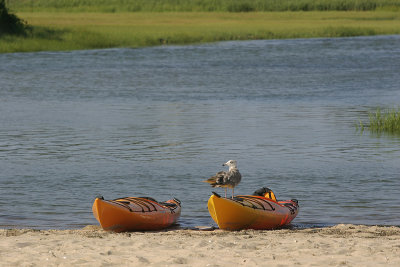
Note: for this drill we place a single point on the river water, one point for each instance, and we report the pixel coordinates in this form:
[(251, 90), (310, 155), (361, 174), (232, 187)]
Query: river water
[(157, 121)]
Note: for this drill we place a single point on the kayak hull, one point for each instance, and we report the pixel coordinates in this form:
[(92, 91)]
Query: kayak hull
[(251, 212), (135, 214)]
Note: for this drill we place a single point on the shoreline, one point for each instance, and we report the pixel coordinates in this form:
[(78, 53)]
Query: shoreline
[(64, 31), (343, 244)]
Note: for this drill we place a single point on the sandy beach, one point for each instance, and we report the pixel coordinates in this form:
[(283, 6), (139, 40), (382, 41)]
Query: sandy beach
[(340, 245)]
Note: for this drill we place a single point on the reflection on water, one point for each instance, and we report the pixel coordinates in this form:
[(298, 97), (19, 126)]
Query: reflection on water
[(158, 121)]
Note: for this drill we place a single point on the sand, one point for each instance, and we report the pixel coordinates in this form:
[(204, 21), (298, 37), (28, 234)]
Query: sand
[(340, 245)]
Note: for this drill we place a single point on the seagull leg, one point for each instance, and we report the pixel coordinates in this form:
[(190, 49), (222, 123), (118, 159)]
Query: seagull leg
[(233, 189), (225, 192)]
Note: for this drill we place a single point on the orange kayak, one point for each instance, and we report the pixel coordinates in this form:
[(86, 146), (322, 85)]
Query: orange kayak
[(251, 212), (135, 213)]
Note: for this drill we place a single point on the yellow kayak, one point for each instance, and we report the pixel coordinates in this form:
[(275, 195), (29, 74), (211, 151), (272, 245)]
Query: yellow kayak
[(135, 213), (251, 212)]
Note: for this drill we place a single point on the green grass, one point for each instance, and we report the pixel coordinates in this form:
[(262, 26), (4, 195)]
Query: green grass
[(386, 121), (71, 31), (201, 5)]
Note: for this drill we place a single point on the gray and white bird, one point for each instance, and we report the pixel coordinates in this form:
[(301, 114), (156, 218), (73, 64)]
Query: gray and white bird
[(228, 179)]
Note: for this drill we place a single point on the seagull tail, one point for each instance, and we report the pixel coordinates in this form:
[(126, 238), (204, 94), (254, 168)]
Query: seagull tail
[(215, 181), (211, 180)]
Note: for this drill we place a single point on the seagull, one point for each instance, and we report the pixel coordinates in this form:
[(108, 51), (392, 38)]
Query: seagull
[(230, 179)]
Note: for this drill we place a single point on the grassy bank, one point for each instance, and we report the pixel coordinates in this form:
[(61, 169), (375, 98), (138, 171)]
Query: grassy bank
[(201, 5), (69, 31)]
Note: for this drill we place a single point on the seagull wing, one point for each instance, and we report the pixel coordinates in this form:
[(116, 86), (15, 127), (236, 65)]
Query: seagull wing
[(217, 180)]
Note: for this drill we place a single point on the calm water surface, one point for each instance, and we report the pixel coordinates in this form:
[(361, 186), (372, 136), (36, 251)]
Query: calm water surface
[(158, 121)]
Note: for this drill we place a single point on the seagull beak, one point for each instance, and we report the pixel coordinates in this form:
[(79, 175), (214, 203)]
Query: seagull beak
[(224, 164)]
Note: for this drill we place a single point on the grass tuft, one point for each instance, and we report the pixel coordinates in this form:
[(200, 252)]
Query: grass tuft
[(382, 121)]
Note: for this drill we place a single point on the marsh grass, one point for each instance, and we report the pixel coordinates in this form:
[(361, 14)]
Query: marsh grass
[(201, 5), (53, 39), (382, 121), (385, 121), (71, 31)]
